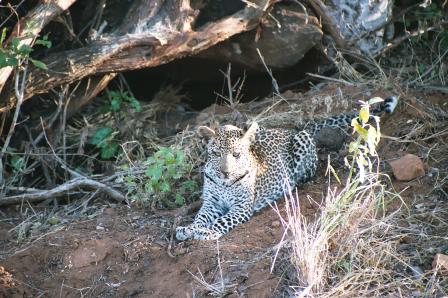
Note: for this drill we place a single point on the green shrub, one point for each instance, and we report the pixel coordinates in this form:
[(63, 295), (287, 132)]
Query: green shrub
[(15, 53), (104, 137), (166, 179)]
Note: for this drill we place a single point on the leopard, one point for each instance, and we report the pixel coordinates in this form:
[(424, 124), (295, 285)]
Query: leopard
[(247, 170)]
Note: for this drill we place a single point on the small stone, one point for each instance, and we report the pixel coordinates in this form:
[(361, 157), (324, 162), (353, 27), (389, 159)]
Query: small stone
[(330, 138), (407, 167), (275, 224), (440, 263)]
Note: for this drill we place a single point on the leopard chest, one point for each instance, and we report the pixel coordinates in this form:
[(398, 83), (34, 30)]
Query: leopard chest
[(229, 195)]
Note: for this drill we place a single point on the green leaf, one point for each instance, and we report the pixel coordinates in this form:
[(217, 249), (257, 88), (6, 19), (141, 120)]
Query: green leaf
[(44, 41), (25, 50), (165, 186), (169, 158), (136, 105), (180, 157), (164, 151), (109, 150), (39, 64), (154, 172), (100, 135), (180, 200), (3, 59), (115, 104), (149, 188), (421, 68), (3, 36), (171, 170), (15, 42), (17, 162), (130, 181), (190, 185), (150, 160), (113, 94), (11, 61)]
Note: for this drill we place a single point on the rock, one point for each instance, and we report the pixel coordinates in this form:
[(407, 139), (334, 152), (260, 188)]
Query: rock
[(407, 167), (330, 138), (440, 263), (363, 18), (284, 40)]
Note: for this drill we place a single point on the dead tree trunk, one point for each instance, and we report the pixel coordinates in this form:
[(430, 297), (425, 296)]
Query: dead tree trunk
[(153, 33)]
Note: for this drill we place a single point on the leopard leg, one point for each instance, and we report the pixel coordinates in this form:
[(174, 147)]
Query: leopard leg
[(222, 225), (305, 157), (209, 212)]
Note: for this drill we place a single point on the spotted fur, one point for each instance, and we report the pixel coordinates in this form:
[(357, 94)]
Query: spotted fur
[(245, 171)]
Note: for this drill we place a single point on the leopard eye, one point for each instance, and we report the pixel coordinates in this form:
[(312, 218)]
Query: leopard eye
[(236, 154)]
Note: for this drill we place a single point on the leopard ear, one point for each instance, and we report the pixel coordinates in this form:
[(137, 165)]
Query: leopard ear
[(206, 132), (250, 133)]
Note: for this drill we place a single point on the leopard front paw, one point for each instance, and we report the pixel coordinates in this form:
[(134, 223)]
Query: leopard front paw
[(184, 233), (206, 234)]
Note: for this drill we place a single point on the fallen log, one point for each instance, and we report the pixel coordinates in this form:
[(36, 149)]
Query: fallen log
[(165, 35)]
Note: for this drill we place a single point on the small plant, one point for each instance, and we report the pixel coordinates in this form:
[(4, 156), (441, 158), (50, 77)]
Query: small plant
[(15, 53), (104, 137), (164, 173), (368, 137), (117, 98)]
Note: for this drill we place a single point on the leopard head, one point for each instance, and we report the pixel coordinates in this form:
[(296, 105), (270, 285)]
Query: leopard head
[(229, 157)]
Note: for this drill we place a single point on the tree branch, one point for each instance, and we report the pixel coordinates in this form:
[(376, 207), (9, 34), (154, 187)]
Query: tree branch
[(61, 190)]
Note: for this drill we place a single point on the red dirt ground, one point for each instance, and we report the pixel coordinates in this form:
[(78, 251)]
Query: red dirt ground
[(122, 252)]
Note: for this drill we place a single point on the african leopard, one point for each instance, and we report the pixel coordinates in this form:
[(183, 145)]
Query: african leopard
[(245, 171)]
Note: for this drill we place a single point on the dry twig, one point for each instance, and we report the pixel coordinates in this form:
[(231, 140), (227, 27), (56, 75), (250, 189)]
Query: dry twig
[(19, 92), (63, 189)]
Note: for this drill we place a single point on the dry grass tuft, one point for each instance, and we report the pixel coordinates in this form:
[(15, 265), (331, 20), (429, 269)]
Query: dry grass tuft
[(352, 249)]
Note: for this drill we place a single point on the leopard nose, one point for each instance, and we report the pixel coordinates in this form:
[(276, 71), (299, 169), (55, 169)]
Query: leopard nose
[(225, 174), (225, 168)]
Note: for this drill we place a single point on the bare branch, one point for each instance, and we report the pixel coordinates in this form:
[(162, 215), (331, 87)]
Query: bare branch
[(63, 189), (19, 92)]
